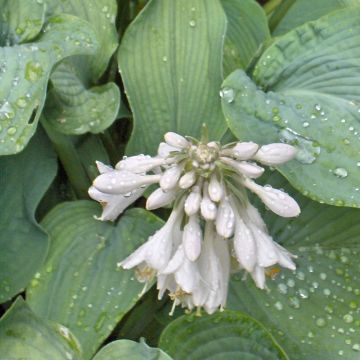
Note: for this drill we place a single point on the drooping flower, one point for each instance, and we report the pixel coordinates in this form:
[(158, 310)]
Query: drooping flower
[(212, 225)]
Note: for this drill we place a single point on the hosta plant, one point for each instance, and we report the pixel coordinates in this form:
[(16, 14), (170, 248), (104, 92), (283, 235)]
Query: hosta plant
[(180, 179)]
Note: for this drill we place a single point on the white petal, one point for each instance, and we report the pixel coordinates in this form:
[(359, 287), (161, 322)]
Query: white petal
[(160, 198), (187, 180), (259, 277), (136, 258), (248, 169), (244, 150), (192, 237), (164, 150), (267, 254), (276, 200), (254, 216), (165, 282), (176, 140), (225, 219), (208, 209), (244, 245), (170, 177), (103, 168), (187, 276), (275, 154), (192, 202), (285, 258), (216, 191), (139, 164), (123, 182), (113, 205), (175, 262)]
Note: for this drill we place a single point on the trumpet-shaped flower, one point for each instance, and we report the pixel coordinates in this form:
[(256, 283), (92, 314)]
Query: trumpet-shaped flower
[(212, 224)]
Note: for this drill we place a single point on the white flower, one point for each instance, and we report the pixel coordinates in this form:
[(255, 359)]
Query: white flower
[(212, 224), (113, 205)]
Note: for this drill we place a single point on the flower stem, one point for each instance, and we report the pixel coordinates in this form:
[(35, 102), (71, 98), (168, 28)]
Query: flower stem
[(69, 159)]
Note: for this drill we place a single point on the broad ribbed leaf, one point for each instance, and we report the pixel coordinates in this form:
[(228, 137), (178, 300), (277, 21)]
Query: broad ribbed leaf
[(20, 20), (247, 29), (81, 284), (101, 15), (170, 60), (25, 336), (130, 350), (24, 180), (308, 95), (24, 74), (313, 311), (301, 11), (222, 336), (74, 105), (71, 108)]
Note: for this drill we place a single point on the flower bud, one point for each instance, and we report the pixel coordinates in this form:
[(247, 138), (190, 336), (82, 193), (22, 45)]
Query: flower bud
[(192, 238), (192, 202), (275, 154), (244, 150), (216, 190), (170, 177), (176, 140), (225, 219), (160, 198), (187, 180)]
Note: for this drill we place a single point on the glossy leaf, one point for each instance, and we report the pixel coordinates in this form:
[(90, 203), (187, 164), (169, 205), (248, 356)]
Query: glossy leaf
[(302, 11), (170, 60), (130, 350), (81, 284), (24, 180), (247, 29), (101, 15), (24, 74), (307, 94), (223, 335), (25, 336), (74, 105), (72, 108), (20, 20), (313, 311)]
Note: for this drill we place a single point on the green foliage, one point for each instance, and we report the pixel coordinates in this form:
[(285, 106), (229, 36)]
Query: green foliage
[(131, 350), (25, 71), (102, 76), (25, 336), (247, 30), (24, 179), (81, 284), (302, 96), (224, 335), (94, 108), (320, 300), (183, 41)]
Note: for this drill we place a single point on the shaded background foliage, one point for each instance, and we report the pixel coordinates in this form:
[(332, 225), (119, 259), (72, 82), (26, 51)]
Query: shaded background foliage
[(81, 80)]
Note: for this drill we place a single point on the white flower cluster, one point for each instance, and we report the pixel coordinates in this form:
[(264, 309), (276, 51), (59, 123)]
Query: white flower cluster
[(213, 229)]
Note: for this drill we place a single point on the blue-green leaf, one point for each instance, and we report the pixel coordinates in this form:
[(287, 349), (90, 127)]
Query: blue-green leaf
[(130, 350), (305, 91), (81, 284), (24, 75), (247, 29), (224, 335), (25, 336), (313, 311), (170, 60), (24, 180)]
